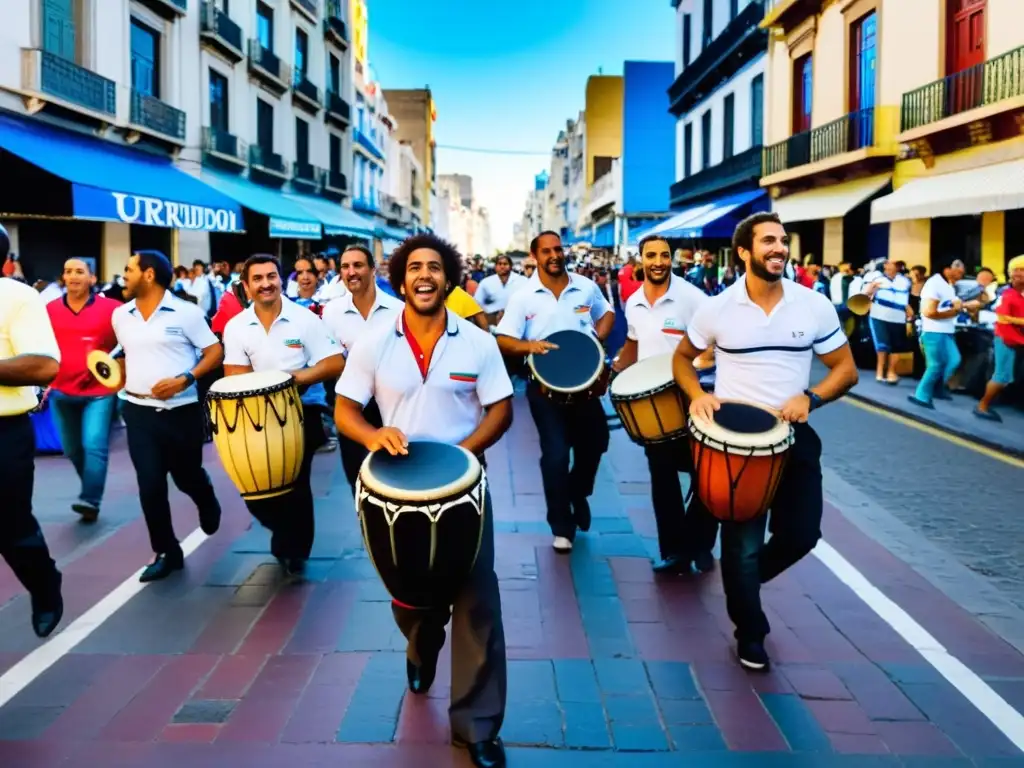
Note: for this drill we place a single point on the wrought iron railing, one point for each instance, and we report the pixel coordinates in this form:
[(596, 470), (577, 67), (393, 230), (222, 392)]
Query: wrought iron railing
[(222, 143), (218, 24), (265, 158), (149, 112), (309, 6), (334, 21), (268, 61), (850, 132), (304, 87), (306, 173), (993, 81), (336, 180), (66, 80), (338, 107), (734, 170)]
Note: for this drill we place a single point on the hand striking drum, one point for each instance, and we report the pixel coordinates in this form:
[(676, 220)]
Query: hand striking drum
[(426, 516), (752, 446)]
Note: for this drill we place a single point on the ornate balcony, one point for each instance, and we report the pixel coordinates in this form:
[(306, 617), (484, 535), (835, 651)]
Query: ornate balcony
[(737, 172), (338, 110), (267, 161), (307, 7), (217, 30), (150, 115), (307, 175), (335, 30), (367, 145), (335, 184), (264, 64), (47, 78), (224, 147), (305, 94), (722, 58), (168, 9)]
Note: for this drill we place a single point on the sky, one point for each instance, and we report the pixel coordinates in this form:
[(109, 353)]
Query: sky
[(507, 77)]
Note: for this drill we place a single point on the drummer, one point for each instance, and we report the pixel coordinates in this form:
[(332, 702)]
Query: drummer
[(278, 334), (555, 300), (346, 319), (657, 317), (439, 377), (766, 332)]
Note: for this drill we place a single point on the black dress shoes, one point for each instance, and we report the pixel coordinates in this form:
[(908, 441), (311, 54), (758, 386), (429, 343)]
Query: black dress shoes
[(704, 562), (581, 514), (421, 677), (209, 518), (163, 566), (672, 564), (47, 610), (484, 754)]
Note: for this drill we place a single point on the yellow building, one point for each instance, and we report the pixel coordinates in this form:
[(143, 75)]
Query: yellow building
[(894, 128), (603, 145)]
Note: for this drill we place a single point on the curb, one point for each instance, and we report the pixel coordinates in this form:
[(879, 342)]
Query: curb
[(963, 435)]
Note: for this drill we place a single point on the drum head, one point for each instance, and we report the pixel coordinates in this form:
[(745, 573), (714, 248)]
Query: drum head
[(744, 426), (644, 376), (430, 471), (574, 366), (258, 381)]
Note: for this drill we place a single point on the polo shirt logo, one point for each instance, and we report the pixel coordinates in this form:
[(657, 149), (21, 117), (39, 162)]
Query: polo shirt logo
[(293, 343), (174, 330), (469, 378), (582, 309), (669, 327)]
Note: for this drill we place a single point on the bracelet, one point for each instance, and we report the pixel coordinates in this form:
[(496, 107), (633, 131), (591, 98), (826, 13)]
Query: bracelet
[(190, 378)]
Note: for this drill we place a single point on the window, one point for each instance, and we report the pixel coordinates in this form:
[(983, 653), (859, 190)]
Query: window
[(333, 74), (728, 128), (687, 33), (218, 102), (688, 150), (757, 111), (335, 150), (705, 140), (803, 91), (301, 54), (301, 141), (145, 46), (707, 20), (863, 46), (58, 28), (265, 26), (264, 125)]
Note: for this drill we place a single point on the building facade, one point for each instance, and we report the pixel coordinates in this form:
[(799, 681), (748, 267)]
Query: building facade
[(603, 146), (415, 113), (556, 210)]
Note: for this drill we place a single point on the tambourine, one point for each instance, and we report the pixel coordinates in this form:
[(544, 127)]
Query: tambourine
[(105, 368)]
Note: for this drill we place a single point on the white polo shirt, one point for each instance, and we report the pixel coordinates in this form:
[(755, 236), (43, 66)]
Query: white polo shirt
[(297, 339), (766, 359), (466, 374), (657, 329), (346, 323), (166, 345), (890, 301), (937, 288), (25, 329), (492, 294), (534, 313)]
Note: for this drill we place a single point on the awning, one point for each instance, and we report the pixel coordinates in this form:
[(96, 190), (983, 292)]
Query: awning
[(721, 219), (335, 218), (639, 233), (288, 220), (680, 219), (392, 233), (989, 188), (831, 202), (114, 183), (604, 235)]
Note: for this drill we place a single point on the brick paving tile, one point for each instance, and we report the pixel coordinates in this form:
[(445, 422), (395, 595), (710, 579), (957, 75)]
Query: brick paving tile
[(608, 663)]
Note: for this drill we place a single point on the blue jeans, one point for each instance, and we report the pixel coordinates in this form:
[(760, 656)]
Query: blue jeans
[(942, 358), (84, 425)]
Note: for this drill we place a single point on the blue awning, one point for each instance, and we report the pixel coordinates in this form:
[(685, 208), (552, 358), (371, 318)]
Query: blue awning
[(721, 219), (115, 183), (639, 233), (392, 233), (288, 220), (680, 219), (604, 235), (335, 218)]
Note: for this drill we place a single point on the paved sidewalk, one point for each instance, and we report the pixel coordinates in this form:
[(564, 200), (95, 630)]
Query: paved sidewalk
[(225, 666)]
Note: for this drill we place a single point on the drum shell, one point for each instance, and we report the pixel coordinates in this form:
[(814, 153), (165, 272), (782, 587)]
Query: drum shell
[(596, 389), (734, 484), (423, 552), (656, 416), (260, 440)]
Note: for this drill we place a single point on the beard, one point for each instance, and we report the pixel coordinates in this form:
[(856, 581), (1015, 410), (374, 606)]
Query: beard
[(555, 267), (435, 306), (760, 270)]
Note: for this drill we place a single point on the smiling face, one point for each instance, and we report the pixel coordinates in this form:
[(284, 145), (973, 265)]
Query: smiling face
[(770, 251), (656, 260), (264, 284), (550, 255), (356, 272), (426, 285), (305, 278)]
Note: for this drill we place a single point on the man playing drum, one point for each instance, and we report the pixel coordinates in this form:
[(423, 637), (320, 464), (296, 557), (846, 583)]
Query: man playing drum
[(438, 377), (347, 318), (278, 334), (766, 331), (554, 300), (657, 316)]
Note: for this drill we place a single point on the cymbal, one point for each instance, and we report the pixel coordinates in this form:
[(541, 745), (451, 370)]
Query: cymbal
[(105, 368)]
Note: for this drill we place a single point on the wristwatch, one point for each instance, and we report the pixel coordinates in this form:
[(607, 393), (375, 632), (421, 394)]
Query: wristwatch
[(189, 378), (815, 398)]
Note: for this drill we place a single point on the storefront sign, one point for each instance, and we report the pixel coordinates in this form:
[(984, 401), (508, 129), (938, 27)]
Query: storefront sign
[(294, 230), (103, 205)]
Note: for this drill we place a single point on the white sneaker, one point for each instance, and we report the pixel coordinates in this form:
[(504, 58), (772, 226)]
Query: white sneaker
[(562, 544)]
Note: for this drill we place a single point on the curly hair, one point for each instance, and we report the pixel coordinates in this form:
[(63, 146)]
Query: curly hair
[(450, 259)]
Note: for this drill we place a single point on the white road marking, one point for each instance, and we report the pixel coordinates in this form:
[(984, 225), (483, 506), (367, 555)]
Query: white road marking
[(21, 675), (993, 706)]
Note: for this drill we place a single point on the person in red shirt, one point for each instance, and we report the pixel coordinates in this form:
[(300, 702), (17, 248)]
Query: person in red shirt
[(83, 408), (234, 300), (1009, 338), (628, 283)]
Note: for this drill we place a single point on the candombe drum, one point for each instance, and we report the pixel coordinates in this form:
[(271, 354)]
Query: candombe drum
[(422, 517), (575, 371), (256, 420), (650, 406), (738, 459)]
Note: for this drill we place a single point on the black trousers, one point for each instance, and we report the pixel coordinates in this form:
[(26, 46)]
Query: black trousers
[(681, 533), (289, 517), (580, 428), (164, 441), (21, 540), (795, 524), (479, 675), (353, 453)]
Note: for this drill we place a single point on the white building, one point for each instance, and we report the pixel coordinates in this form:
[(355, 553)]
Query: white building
[(556, 208), (252, 100), (403, 175), (577, 193), (718, 98), (468, 224)]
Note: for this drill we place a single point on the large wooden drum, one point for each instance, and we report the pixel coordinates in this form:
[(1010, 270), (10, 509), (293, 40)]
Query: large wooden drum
[(422, 518), (574, 372), (256, 420), (649, 404)]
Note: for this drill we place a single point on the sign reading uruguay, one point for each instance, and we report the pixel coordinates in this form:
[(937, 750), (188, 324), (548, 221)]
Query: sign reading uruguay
[(104, 205)]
